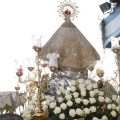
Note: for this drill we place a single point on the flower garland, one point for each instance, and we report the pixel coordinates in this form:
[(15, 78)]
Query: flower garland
[(82, 100)]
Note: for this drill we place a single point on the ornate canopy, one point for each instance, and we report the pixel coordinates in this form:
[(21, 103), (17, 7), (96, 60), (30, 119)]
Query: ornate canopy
[(76, 53)]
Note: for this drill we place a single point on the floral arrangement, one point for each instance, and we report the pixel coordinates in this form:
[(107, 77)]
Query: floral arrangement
[(83, 99)]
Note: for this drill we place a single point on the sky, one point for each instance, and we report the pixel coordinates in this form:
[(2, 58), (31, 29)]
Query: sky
[(20, 19)]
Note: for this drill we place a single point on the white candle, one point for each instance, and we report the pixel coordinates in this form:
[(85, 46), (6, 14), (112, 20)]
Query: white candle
[(99, 68)]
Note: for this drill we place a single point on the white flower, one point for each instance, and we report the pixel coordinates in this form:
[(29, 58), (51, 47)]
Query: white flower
[(85, 101), (113, 113), (101, 93), (47, 102), (81, 80), (73, 82), (81, 86), (95, 118), (118, 101), (60, 99), (44, 108), (118, 108), (95, 85), (108, 100), (78, 100), (75, 94), (101, 99), (83, 93), (63, 106), (96, 91), (69, 103), (89, 87), (113, 106), (57, 110), (47, 97), (36, 109), (79, 112), (52, 98), (92, 93), (28, 116), (104, 117), (62, 116), (72, 112), (114, 97), (61, 88), (109, 106), (52, 105), (86, 110), (92, 100), (93, 109), (66, 92), (87, 82), (68, 97), (58, 92), (73, 88)]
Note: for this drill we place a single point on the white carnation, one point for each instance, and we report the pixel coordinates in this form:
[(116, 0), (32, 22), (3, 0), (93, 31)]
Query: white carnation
[(73, 82), (92, 93), (101, 99), (93, 109), (58, 92), (68, 97), (92, 100), (60, 99), (109, 106), (52, 105), (78, 100), (104, 117), (81, 80), (86, 110)]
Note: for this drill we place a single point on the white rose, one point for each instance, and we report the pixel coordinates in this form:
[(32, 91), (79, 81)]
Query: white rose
[(86, 110), (69, 103), (63, 106), (108, 100), (60, 99), (113, 113), (85, 101), (73, 88), (44, 107), (52, 105), (113, 106), (73, 82), (114, 97), (47, 97), (75, 94), (89, 87), (87, 82), (101, 93), (95, 118), (109, 106), (52, 98), (81, 86), (83, 93), (96, 91), (47, 102), (118, 108), (92, 93), (95, 85), (101, 99), (66, 92), (81, 80), (93, 109), (58, 92), (92, 100), (61, 88), (78, 100), (79, 112), (72, 112), (104, 117), (57, 110), (62, 116), (68, 97), (118, 100)]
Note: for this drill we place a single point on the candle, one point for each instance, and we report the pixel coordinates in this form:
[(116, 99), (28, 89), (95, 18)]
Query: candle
[(114, 43), (99, 68), (20, 69)]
